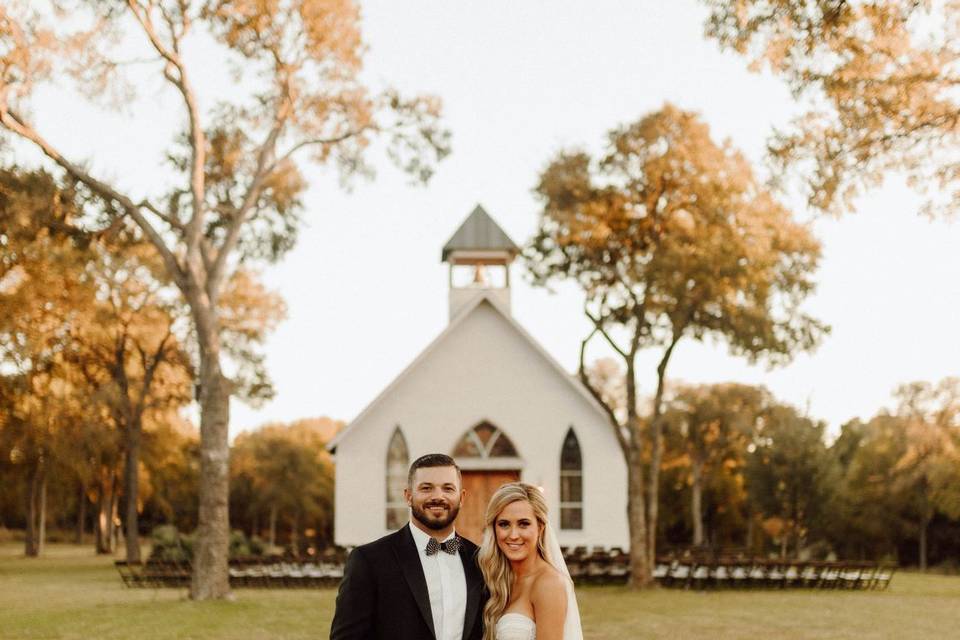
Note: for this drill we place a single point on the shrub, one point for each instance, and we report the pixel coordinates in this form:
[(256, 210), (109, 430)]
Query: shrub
[(170, 545), (242, 546)]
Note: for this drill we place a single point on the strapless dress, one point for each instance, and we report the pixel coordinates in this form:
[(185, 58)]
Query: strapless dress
[(516, 626)]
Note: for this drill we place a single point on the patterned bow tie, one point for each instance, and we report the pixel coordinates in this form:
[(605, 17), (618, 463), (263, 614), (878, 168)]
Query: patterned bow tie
[(451, 546)]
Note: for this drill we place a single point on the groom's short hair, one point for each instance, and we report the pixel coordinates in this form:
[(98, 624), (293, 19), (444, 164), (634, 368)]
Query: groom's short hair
[(432, 460)]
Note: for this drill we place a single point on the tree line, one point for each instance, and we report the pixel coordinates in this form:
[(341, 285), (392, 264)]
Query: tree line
[(97, 370), (746, 472)]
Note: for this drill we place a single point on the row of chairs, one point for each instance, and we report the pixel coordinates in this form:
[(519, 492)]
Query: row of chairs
[(594, 565), (772, 574), (602, 565), (597, 565), (253, 573), (154, 573), (286, 575)]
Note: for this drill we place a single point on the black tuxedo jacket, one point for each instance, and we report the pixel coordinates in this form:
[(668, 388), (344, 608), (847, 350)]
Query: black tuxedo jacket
[(384, 595)]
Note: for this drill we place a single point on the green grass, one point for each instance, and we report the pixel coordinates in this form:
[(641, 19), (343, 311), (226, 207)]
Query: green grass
[(71, 593)]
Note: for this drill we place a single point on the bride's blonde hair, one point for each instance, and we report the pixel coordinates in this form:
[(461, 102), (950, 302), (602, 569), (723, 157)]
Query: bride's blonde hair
[(496, 569)]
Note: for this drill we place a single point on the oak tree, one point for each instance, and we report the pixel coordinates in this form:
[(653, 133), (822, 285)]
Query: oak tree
[(786, 474), (714, 424), (670, 235), (929, 467)]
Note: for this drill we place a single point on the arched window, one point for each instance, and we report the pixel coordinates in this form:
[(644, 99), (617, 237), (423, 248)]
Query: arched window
[(571, 483), (398, 459), (484, 441)]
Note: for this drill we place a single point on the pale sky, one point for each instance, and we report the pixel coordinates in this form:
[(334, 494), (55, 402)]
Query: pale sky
[(365, 288)]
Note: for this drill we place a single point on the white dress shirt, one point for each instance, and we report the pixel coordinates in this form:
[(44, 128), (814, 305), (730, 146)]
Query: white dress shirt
[(446, 584)]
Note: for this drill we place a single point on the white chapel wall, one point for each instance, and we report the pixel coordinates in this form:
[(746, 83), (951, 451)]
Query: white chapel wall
[(484, 370)]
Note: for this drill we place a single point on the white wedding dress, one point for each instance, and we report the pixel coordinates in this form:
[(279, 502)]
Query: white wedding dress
[(516, 626)]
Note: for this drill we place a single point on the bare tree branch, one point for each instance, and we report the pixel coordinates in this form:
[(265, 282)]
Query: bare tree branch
[(310, 143), (598, 326), (198, 144), (264, 154), (585, 380), (12, 122)]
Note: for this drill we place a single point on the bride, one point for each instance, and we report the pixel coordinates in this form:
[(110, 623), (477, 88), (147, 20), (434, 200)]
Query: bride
[(531, 594)]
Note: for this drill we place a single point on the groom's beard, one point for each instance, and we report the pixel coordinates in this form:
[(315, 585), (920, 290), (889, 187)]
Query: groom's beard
[(435, 522)]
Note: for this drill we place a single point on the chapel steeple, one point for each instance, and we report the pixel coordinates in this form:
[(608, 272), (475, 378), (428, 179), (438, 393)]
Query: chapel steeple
[(479, 254)]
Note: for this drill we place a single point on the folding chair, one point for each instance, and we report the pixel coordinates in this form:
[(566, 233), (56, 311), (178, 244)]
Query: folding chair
[(849, 576), (811, 575), (776, 575), (619, 570), (700, 575), (680, 574), (131, 573), (757, 574), (884, 575), (739, 572), (661, 570), (829, 577), (791, 576), (720, 574)]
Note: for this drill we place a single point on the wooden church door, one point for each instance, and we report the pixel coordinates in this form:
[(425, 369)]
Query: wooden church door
[(487, 459), (479, 485)]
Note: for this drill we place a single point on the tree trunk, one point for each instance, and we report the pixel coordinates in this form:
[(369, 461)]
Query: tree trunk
[(131, 489), (641, 571), (656, 455), (653, 499), (924, 526), (100, 524), (210, 578), (106, 509), (273, 525), (114, 513), (696, 499), (42, 516), (295, 535), (81, 513), (31, 549)]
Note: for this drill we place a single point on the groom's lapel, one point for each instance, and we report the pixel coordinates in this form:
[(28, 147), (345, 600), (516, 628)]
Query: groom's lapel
[(474, 587), (409, 559)]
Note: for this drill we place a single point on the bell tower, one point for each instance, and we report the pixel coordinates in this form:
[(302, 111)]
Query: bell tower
[(479, 254)]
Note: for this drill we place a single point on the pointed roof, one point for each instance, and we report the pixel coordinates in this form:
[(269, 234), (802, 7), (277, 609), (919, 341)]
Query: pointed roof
[(483, 297), (479, 233)]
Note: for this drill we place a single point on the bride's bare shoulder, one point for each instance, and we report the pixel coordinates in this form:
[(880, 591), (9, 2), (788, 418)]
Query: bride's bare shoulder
[(548, 588)]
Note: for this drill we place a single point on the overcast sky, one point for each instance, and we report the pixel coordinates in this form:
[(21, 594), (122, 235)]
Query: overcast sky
[(520, 81)]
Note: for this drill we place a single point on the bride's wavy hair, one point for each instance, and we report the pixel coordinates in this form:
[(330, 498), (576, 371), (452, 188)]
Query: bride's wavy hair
[(496, 569)]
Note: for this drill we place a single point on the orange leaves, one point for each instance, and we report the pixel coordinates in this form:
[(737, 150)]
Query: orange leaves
[(878, 80), (670, 233), (324, 30), (332, 29), (249, 309)]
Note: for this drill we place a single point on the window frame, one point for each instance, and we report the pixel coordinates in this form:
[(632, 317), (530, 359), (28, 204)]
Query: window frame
[(569, 507), (395, 512)]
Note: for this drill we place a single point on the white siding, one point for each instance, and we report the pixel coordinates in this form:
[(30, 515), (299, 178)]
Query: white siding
[(484, 369)]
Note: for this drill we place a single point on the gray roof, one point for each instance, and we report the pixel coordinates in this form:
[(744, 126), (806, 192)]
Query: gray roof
[(479, 233)]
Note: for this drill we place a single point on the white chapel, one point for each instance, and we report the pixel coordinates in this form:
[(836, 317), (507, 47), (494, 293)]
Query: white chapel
[(487, 394)]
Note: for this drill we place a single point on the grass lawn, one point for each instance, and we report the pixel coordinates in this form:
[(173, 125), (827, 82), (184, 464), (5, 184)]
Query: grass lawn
[(71, 593)]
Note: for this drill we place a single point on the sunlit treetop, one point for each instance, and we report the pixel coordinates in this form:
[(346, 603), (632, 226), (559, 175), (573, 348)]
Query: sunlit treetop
[(878, 82)]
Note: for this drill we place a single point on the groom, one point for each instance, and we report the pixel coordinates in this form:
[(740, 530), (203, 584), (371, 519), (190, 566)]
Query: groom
[(422, 581)]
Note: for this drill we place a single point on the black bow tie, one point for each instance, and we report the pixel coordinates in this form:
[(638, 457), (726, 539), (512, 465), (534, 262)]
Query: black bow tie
[(451, 546)]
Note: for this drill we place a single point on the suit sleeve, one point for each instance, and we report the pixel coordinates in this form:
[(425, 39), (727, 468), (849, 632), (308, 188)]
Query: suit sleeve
[(356, 600)]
